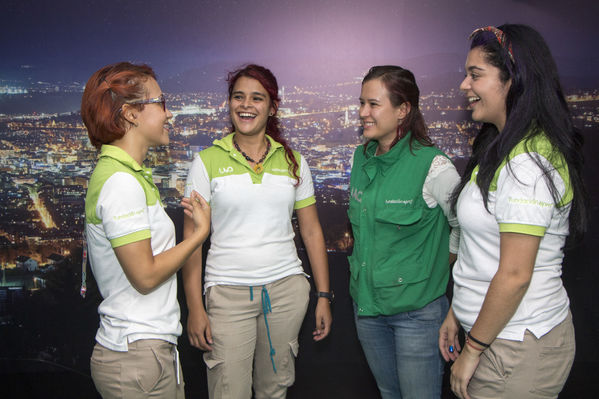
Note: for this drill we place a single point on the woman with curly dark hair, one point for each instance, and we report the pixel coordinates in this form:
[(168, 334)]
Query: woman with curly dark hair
[(256, 289)]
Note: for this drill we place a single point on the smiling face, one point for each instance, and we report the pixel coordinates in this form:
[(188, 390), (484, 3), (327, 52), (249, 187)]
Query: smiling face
[(249, 106), (153, 121), (485, 91), (379, 117)]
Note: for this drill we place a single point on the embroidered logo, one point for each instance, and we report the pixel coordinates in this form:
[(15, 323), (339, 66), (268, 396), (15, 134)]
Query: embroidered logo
[(399, 201), (228, 169)]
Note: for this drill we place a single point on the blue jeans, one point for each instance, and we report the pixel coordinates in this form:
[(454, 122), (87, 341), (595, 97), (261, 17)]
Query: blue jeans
[(402, 350)]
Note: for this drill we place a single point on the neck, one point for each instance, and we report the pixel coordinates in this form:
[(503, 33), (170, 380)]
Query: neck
[(136, 151), (252, 145), (382, 148)]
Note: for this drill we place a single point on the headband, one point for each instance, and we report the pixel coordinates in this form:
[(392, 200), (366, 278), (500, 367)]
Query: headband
[(500, 35)]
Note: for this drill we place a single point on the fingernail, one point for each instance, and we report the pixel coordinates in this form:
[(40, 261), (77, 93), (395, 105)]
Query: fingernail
[(450, 348)]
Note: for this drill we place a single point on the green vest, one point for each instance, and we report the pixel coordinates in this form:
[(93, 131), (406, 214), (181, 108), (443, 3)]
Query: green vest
[(400, 260)]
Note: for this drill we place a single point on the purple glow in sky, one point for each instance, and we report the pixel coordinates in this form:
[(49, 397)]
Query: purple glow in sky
[(304, 39)]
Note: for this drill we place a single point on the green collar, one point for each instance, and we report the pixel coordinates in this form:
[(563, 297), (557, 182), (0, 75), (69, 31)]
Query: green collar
[(120, 155), (226, 143), (393, 154)]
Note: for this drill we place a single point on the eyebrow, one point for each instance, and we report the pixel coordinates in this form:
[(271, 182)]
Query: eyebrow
[(474, 68), (370, 99), (254, 93)]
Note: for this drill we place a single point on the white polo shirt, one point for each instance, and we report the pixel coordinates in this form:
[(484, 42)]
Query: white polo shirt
[(520, 202), (123, 206), (252, 236)]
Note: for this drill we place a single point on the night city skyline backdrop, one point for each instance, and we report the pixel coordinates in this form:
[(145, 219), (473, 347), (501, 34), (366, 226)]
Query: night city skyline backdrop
[(311, 40), (319, 50)]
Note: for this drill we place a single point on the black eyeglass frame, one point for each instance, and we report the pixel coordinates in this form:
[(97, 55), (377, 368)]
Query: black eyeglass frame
[(157, 100)]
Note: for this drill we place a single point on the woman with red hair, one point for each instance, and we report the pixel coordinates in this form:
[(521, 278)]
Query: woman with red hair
[(256, 289), (131, 239)]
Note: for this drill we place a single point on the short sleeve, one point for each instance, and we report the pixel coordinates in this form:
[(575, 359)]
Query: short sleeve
[(441, 180), (524, 203), (304, 194), (123, 209), (198, 179)]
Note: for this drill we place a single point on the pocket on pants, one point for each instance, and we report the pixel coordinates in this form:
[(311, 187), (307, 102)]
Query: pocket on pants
[(288, 378), (554, 368), (148, 375), (217, 386)]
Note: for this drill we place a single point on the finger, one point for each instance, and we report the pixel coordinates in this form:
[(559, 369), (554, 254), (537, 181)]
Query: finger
[(208, 333), (199, 199), (456, 343), (464, 390), (193, 340)]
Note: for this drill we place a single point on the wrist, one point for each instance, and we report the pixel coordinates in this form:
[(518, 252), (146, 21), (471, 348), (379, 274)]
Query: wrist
[(473, 349), (327, 295)]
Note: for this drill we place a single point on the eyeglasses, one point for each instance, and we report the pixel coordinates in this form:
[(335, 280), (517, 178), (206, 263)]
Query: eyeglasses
[(157, 100)]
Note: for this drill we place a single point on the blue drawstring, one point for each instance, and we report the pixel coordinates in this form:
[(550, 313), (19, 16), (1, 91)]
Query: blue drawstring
[(266, 308)]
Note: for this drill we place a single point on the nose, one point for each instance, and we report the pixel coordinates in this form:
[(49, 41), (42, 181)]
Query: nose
[(364, 111), (169, 114), (465, 85)]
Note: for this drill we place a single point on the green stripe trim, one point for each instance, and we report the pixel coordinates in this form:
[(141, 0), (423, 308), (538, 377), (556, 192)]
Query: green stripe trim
[(529, 229), (304, 203), (129, 238)]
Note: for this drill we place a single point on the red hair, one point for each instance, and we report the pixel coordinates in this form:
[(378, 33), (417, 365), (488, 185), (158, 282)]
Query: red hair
[(269, 82), (105, 93)]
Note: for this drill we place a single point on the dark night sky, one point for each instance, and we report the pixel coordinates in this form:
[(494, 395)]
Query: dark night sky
[(67, 40)]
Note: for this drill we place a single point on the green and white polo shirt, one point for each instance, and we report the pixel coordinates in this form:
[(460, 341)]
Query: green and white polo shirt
[(252, 236), (123, 206), (519, 201)]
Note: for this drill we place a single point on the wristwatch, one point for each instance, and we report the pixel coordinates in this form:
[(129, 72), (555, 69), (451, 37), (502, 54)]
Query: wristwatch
[(329, 295)]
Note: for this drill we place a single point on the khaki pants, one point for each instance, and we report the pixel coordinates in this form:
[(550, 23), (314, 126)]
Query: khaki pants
[(533, 368), (147, 370), (240, 354)]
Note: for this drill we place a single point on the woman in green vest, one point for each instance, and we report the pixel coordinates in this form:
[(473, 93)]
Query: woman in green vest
[(399, 210)]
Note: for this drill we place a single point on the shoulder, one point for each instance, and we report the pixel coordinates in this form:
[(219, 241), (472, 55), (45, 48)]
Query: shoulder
[(110, 169)]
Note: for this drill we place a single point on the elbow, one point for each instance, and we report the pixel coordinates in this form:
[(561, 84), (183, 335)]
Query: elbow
[(144, 286), (518, 281)]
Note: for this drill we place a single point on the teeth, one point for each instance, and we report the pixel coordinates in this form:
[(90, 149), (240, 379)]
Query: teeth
[(247, 115), (366, 124), (473, 99)]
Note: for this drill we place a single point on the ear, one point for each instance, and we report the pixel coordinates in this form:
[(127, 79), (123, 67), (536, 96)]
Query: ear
[(402, 111), (130, 114), (274, 106)]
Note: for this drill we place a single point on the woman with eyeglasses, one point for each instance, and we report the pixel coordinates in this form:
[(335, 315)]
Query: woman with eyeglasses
[(131, 239), (256, 289), (520, 198)]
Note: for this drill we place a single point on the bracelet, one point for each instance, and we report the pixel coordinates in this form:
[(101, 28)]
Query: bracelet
[(474, 347), (477, 341)]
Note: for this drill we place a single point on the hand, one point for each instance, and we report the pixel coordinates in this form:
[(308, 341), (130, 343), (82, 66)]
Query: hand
[(198, 330), (448, 337), (198, 210), (324, 319), (462, 371)]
